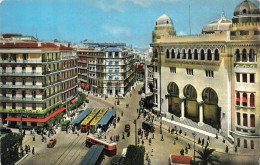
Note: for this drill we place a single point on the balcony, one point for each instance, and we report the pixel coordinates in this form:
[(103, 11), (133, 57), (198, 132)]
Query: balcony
[(20, 99), (20, 74), (22, 86), (28, 61)]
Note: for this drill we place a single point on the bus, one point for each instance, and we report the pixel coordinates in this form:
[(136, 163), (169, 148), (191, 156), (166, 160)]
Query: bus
[(94, 122), (85, 124), (110, 147), (94, 156), (65, 125)]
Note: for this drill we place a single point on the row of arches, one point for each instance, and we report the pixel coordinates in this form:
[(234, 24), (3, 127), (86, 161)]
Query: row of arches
[(247, 100), (245, 56), (208, 111), (194, 54)]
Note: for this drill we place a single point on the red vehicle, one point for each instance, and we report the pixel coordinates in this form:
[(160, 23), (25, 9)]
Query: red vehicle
[(110, 148)]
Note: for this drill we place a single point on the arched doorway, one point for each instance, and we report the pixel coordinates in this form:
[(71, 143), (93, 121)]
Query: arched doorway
[(173, 99), (211, 113), (191, 105)]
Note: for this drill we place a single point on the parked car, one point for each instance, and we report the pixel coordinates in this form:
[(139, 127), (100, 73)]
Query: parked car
[(117, 160), (51, 143)]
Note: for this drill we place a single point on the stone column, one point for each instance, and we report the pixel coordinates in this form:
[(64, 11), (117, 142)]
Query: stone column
[(248, 99), (201, 113), (241, 97), (182, 109), (213, 57)]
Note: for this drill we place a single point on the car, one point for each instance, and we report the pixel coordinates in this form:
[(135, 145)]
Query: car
[(127, 127), (117, 160), (51, 143), (148, 126)]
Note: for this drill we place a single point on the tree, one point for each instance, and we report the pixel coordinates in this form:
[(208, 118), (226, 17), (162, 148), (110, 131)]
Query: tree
[(206, 156), (135, 155), (9, 148)]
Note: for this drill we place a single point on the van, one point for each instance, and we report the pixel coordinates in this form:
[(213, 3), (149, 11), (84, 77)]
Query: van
[(148, 126)]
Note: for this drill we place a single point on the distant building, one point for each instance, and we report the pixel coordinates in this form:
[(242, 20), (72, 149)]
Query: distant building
[(17, 38), (140, 72), (211, 82), (37, 81), (105, 70)]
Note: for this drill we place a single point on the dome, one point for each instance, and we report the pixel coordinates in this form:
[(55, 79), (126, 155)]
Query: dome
[(246, 7), (163, 20), (218, 25), (246, 12)]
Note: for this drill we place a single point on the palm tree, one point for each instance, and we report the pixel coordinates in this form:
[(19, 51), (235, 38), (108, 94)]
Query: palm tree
[(206, 156)]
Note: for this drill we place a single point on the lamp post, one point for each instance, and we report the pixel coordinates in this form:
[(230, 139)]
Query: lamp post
[(135, 133), (194, 134)]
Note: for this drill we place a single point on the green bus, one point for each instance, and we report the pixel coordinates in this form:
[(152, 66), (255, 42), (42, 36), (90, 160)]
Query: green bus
[(65, 125)]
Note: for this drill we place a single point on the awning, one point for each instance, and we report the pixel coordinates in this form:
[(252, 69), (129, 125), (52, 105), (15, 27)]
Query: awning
[(238, 99), (36, 120), (84, 85), (74, 101)]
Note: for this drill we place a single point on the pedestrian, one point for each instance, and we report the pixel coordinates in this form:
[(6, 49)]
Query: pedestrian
[(174, 142), (33, 138), (123, 136), (180, 131), (33, 150), (169, 130), (188, 145), (29, 148), (235, 148), (172, 117), (182, 152), (186, 150), (150, 140), (162, 138), (153, 135), (122, 114), (185, 133), (142, 142), (202, 142), (137, 110), (216, 135), (223, 140), (199, 141), (138, 140), (226, 148), (208, 138)]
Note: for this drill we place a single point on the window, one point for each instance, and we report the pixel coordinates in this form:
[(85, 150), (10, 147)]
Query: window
[(23, 94), (4, 56), (238, 99), (209, 73), (173, 69), (173, 54), (4, 105), (196, 54), (178, 55), (33, 69), (238, 142), (189, 71), (23, 106), (23, 81), (252, 120), (244, 99), (34, 94), (23, 69), (4, 69), (155, 68), (252, 144), (116, 63), (184, 54), (244, 119), (4, 93), (244, 55), (4, 81), (34, 106), (167, 54), (109, 54), (238, 77), (189, 54), (155, 54), (13, 69), (24, 56), (252, 100), (245, 143), (252, 78), (13, 106), (244, 77), (238, 118), (242, 33), (13, 93), (116, 55), (202, 55)]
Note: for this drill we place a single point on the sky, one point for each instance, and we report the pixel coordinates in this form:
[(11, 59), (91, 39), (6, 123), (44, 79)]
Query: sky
[(124, 21)]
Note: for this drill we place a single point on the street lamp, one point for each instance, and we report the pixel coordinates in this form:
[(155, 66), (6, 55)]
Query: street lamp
[(194, 134)]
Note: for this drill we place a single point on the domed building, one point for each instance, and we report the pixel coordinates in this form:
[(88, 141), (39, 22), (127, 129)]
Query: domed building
[(219, 25), (211, 82), (163, 27), (246, 12)]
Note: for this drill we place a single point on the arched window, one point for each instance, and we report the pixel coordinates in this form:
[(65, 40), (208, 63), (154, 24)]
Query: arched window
[(244, 99), (189, 54), (173, 53), (167, 22), (237, 55), (155, 53), (209, 54), (202, 54), (244, 55), (245, 143), (252, 100), (238, 99), (251, 55), (216, 55), (252, 144), (195, 54), (244, 11), (167, 53), (184, 54), (178, 55), (238, 142)]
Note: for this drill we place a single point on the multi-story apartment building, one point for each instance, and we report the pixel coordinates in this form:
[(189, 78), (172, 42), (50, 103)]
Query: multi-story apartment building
[(106, 70), (37, 80), (211, 82)]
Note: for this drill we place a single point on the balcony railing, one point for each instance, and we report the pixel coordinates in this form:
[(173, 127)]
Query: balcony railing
[(20, 74), (21, 61), (21, 86), (20, 99)]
